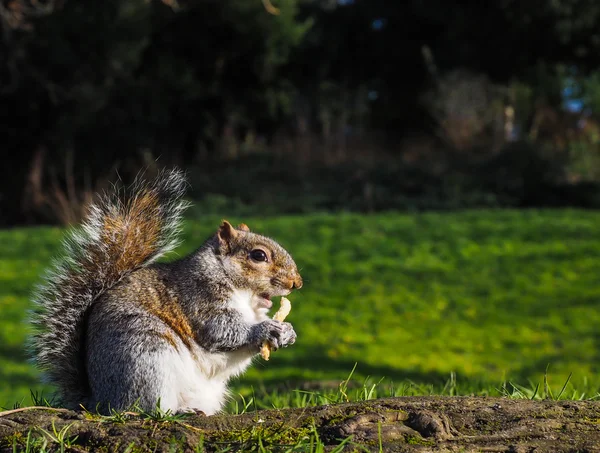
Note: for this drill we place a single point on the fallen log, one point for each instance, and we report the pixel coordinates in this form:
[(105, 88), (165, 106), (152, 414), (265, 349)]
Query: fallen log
[(403, 424)]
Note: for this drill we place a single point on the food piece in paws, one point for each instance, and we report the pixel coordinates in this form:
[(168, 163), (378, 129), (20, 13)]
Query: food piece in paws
[(281, 314)]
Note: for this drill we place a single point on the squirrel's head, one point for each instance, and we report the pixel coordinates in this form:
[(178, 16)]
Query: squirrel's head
[(257, 263)]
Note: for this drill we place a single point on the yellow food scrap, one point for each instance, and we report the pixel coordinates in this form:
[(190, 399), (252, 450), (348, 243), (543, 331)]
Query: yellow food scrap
[(281, 314)]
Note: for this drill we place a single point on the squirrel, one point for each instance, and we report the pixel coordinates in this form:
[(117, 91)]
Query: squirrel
[(114, 328)]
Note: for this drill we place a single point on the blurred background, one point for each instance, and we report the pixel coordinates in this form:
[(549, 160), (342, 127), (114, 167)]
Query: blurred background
[(324, 105), (433, 166)]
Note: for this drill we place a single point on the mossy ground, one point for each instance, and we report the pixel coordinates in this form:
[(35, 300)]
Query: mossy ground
[(390, 424)]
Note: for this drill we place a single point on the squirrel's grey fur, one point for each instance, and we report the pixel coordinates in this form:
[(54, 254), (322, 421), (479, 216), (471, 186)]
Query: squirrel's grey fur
[(114, 328)]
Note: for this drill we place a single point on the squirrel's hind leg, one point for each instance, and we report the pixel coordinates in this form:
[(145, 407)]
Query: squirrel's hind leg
[(145, 383), (130, 368)]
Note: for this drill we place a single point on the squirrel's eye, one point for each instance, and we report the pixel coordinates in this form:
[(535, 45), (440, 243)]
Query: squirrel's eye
[(258, 255)]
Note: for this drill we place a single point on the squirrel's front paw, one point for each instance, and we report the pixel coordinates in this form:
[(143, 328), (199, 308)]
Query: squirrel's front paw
[(288, 335), (278, 334)]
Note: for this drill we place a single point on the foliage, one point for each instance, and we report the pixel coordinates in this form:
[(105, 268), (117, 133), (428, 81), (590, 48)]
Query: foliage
[(88, 88), (468, 110), (117, 83), (488, 297)]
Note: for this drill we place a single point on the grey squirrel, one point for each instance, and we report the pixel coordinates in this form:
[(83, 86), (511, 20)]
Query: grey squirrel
[(114, 328)]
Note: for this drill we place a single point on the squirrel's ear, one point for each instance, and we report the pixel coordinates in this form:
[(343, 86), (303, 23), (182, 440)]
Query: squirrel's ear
[(243, 227), (226, 232)]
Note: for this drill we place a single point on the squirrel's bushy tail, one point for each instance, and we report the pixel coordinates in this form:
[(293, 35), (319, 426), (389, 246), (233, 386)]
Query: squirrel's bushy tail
[(125, 230)]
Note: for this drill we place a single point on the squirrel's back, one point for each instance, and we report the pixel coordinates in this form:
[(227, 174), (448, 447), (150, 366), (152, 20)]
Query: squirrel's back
[(125, 231)]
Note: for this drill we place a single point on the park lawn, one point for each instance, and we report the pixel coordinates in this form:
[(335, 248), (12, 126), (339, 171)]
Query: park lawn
[(484, 297)]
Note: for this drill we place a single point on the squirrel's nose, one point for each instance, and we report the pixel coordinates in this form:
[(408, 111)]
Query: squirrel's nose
[(297, 282)]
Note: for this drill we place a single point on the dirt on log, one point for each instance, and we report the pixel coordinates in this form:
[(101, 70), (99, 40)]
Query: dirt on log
[(405, 424)]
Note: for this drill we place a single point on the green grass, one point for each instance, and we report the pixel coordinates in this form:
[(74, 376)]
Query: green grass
[(450, 303)]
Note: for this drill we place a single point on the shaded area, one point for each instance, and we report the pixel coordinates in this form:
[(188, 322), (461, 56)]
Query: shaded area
[(407, 105)]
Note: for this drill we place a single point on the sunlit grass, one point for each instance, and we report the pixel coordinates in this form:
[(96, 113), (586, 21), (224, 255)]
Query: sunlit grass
[(492, 298)]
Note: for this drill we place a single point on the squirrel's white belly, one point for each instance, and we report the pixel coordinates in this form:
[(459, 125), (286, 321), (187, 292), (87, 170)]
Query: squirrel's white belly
[(198, 379)]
